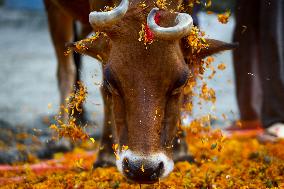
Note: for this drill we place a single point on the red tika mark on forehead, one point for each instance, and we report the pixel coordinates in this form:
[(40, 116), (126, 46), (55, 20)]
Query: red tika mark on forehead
[(149, 36)]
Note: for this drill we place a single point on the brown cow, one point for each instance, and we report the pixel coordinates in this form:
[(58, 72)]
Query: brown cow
[(142, 87)]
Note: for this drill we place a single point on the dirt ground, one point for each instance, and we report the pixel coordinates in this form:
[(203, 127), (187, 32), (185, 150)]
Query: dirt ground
[(28, 72)]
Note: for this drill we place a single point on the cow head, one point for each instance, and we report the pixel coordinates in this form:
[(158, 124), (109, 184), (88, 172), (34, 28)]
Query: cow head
[(144, 84)]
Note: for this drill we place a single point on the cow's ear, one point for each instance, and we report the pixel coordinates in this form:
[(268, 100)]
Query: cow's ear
[(95, 47), (215, 46)]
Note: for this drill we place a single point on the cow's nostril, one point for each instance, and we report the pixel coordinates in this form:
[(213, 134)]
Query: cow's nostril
[(161, 165), (158, 171), (125, 161), (125, 164)]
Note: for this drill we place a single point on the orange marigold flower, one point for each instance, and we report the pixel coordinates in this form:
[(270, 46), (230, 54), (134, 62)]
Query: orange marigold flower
[(222, 66), (224, 18)]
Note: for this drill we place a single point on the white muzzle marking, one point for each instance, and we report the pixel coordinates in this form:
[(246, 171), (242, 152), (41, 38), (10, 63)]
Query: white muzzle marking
[(155, 159)]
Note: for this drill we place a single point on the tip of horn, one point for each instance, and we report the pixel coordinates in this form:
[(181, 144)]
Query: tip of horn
[(103, 19)]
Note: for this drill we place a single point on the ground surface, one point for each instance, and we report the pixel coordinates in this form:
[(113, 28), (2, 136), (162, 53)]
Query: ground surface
[(241, 164)]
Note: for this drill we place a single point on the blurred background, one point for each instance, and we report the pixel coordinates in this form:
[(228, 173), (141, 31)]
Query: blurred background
[(29, 95)]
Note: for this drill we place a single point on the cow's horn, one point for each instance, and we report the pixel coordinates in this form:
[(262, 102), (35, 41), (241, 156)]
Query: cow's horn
[(103, 19), (183, 27)]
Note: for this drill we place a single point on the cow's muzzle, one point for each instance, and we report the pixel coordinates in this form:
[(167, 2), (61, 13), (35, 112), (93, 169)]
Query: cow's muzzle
[(144, 169)]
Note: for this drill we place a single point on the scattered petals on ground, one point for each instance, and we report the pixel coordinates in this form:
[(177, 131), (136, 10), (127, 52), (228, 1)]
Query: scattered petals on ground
[(242, 163)]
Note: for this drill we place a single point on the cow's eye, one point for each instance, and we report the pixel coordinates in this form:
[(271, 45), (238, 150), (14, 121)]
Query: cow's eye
[(180, 83)]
